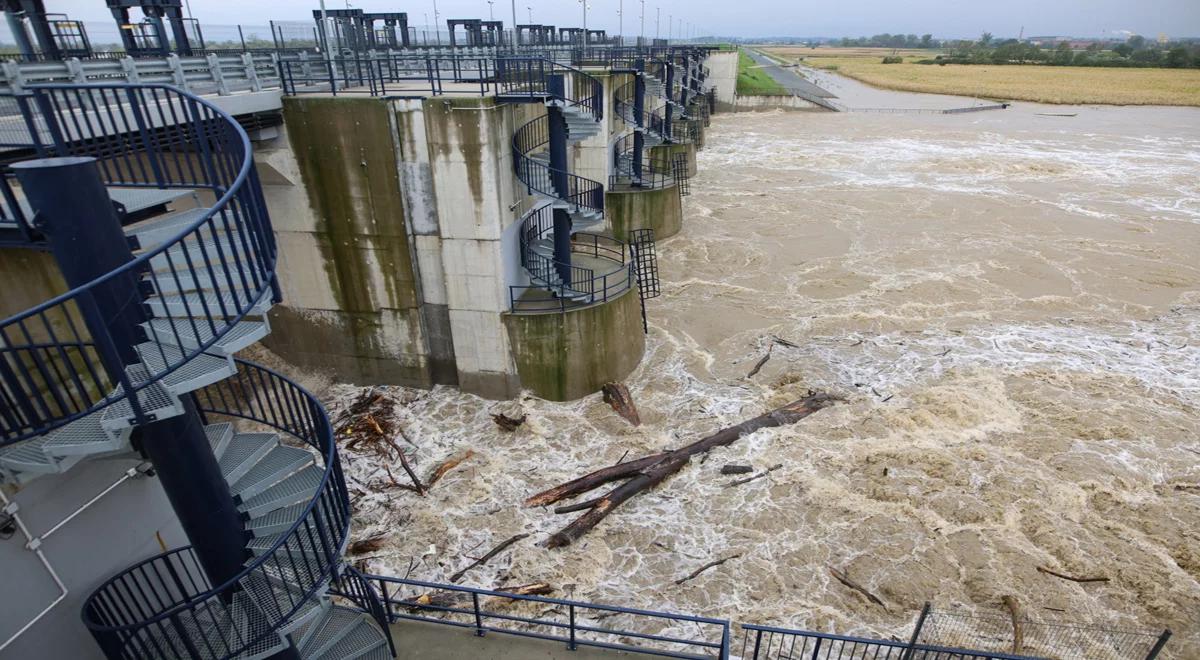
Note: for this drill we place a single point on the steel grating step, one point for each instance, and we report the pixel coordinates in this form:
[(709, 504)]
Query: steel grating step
[(151, 233), (182, 332), (275, 522), (276, 598), (219, 436), (278, 464), (358, 639), (83, 437), (156, 401), (196, 251), (337, 623), (203, 279), (244, 451), (189, 375), (205, 304), (310, 624), (300, 487), (29, 458)]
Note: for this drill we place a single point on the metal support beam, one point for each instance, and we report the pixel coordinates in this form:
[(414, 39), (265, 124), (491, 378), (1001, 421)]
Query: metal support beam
[(668, 111), (556, 86)]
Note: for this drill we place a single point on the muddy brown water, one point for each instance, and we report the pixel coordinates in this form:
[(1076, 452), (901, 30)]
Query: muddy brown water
[(1010, 303)]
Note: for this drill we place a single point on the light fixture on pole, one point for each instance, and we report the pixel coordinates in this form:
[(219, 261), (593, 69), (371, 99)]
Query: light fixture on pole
[(669, 23), (657, 18), (491, 15), (620, 18), (642, 36)]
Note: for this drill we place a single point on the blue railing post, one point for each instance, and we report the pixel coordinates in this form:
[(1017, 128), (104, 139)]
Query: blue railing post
[(916, 634), (1158, 645), (478, 615), (571, 644), (757, 644)]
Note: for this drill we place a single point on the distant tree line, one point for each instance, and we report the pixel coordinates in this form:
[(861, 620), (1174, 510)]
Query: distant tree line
[(1136, 51), (886, 40)]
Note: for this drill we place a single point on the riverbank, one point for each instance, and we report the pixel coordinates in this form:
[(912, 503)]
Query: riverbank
[(1040, 84)]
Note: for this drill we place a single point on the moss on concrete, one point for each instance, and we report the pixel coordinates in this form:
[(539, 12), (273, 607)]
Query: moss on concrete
[(565, 356), (659, 209), (668, 151), (345, 150)]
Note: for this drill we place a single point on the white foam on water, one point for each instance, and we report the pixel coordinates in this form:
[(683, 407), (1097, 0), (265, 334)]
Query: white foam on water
[(985, 431)]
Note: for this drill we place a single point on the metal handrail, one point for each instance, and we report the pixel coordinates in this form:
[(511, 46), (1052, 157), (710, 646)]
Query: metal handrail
[(538, 177), (574, 633), (592, 286), (264, 396), (656, 172), (134, 131), (771, 642), (652, 120)]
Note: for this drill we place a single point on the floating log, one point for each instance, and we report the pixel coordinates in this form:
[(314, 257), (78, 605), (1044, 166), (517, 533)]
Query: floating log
[(484, 559), (1014, 610), (844, 578), (734, 468), (1043, 569), (367, 545), (445, 466), (760, 475), (759, 365), (711, 564), (617, 396), (647, 472), (507, 423)]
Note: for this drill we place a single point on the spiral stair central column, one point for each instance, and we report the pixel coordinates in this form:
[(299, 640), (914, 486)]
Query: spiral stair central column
[(669, 110), (556, 86), (639, 108), (87, 241)]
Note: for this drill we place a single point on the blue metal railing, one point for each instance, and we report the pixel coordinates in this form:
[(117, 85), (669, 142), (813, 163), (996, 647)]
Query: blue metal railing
[(778, 643), (538, 176), (146, 135), (587, 286), (383, 74), (656, 170), (573, 623), (165, 606)]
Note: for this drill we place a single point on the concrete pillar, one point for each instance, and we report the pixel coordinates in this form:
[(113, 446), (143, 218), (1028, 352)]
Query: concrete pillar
[(17, 27)]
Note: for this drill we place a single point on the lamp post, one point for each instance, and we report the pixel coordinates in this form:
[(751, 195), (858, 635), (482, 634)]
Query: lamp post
[(620, 19), (491, 15), (642, 36), (657, 18)]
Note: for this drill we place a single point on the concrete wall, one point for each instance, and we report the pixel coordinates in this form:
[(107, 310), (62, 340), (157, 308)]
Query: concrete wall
[(640, 208), (566, 356), (668, 152), (131, 523), (346, 269), (759, 103), (723, 73)]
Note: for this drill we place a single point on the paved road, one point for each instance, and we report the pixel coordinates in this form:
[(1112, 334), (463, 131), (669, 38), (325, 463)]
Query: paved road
[(789, 78)]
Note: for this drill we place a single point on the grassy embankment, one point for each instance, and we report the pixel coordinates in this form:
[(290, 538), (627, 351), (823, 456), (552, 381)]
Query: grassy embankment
[(755, 81), (1042, 84)]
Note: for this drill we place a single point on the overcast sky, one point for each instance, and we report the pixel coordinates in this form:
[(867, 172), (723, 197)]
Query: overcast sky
[(750, 18)]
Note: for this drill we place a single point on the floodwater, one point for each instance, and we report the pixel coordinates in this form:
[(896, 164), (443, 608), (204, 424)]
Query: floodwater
[(1010, 304)]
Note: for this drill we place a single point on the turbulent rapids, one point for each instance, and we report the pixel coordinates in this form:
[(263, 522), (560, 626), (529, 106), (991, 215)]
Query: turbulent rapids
[(1010, 304)]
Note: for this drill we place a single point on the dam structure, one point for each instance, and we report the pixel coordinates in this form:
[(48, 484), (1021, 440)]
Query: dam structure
[(481, 214)]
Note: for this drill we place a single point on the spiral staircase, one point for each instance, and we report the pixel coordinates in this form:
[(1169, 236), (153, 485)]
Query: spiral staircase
[(578, 99), (652, 126), (199, 286)]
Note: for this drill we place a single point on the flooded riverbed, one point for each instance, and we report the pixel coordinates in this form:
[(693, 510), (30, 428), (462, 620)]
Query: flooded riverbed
[(1010, 303)]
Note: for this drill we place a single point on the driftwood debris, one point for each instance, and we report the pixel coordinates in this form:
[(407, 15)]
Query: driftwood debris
[(617, 396), (364, 546), (760, 475), (844, 578), (1043, 569), (1014, 610), (417, 485), (445, 466), (759, 365), (734, 468), (711, 564), (491, 553), (507, 423), (645, 473)]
